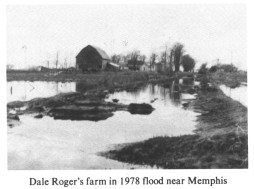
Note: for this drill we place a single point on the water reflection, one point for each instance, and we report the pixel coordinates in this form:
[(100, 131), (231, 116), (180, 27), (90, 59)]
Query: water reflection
[(26, 90), (175, 92), (239, 93), (64, 144)]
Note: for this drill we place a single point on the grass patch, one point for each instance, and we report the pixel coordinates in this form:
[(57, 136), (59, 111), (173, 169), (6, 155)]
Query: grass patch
[(186, 152)]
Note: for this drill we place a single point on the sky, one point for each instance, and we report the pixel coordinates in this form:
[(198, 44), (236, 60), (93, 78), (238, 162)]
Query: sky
[(35, 33)]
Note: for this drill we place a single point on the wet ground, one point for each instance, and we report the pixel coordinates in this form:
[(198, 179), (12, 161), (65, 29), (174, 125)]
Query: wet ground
[(47, 143)]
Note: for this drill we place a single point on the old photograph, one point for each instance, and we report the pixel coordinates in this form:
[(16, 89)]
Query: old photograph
[(127, 86)]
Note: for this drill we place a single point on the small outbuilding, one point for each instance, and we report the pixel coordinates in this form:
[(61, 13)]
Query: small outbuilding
[(111, 66), (92, 58)]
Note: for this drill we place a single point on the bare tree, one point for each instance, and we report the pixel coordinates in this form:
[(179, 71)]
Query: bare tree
[(65, 63), (116, 58), (153, 58), (163, 57), (142, 58), (134, 55), (178, 50), (56, 63), (133, 60), (9, 66), (171, 60)]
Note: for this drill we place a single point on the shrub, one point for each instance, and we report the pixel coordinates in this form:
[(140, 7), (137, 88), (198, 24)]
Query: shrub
[(213, 69), (228, 68)]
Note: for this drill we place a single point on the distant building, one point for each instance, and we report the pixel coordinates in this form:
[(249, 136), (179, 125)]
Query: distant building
[(123, 65), (92, 58), (145, 67)]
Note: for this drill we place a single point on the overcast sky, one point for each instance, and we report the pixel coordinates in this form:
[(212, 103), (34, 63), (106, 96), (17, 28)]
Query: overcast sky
[(207, 31)]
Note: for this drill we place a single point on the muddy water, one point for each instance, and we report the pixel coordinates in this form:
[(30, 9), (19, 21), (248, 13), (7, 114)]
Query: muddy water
[(63, 144), (239, 93)]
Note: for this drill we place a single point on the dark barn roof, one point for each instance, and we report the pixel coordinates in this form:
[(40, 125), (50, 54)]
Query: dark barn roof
[(101, 52)]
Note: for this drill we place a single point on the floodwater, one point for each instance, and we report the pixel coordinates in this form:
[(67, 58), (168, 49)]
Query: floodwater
[(64, 144), (25, 90), (239, 94)]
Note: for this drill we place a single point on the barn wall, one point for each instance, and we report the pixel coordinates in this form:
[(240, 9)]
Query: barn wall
[(104, 64), (88, 60)]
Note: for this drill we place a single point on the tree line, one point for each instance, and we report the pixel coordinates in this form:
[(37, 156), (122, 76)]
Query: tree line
[(172, 58)]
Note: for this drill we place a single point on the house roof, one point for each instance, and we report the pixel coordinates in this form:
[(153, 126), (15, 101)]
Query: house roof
[(101, 52)]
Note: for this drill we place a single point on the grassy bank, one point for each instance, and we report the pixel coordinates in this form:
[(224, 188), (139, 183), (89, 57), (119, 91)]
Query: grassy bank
[(66, 77), (221, 139), (93, 81), (230, 79), (100, 80)]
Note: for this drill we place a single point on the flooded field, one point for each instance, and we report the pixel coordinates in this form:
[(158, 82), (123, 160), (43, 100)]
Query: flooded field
[(64, 144), (238, 94)]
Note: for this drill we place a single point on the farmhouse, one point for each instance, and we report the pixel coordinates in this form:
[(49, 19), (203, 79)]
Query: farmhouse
[(92, 58), (145, 67)]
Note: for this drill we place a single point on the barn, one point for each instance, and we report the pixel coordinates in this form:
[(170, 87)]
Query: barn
[(91, 58)]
